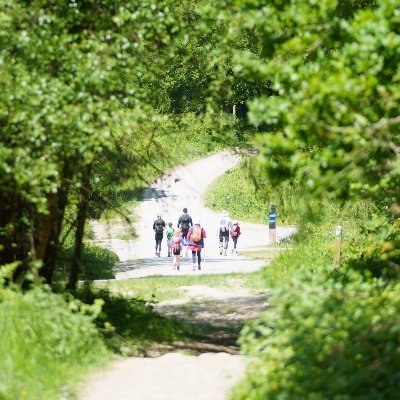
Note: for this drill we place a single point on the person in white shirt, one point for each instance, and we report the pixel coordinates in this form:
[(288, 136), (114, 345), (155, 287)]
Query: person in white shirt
[(224, 226)]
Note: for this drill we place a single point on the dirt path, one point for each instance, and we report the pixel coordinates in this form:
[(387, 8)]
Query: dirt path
[(174, 376), (202, 369), (213, 365)]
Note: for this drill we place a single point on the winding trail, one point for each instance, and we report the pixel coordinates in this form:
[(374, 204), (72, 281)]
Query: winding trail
[(178, 376), (183, 187)]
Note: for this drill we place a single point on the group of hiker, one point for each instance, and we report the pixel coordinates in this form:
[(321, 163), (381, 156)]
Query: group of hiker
[(189, 235)]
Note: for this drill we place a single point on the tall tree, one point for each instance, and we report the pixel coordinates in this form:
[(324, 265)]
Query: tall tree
[(333, 119)]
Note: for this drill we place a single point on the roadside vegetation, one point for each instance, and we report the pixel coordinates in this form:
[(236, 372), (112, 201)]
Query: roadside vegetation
[(247, 194), (99, 98)]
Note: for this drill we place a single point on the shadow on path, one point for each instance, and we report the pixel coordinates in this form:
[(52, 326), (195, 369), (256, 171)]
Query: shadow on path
[(215, 322)]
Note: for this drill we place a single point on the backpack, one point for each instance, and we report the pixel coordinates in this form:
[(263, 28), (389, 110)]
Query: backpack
[(158, 226), (196, 234), (234, 231), (185, 222), (170, 233), (223, 225), (176, 243)]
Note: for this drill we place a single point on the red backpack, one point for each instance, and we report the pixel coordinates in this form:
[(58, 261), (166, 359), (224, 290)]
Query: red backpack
[(176, 242), (196, 234), (234, 231)]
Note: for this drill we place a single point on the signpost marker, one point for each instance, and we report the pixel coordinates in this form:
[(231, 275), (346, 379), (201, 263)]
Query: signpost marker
[(337, 245), (272, 225)]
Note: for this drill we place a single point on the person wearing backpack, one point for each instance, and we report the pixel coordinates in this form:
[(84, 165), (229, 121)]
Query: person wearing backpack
[(223, 229), (195, 238), (184, 223), (169, 233), (176, 245), (235, 233), (158, 227)]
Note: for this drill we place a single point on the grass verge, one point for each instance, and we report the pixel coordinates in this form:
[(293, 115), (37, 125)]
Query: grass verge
[(47, 344), (167, 288)]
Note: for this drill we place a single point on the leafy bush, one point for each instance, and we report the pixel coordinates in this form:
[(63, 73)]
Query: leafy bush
[(46, 344), (97, 263), (326, 341), (365, 235), (333, 334)]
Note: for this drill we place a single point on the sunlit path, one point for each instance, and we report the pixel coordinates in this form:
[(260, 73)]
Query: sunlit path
[(183, 187)]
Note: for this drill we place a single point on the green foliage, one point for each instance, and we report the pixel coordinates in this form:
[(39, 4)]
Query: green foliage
[(235, 192), (326, 341), (330, 333), (333, 118), (46, 344), (311, 249), (245, 192), (98, 101), (96, 263)]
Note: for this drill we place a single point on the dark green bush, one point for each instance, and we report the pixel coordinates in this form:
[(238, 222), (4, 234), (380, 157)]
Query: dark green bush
[(326, 341)]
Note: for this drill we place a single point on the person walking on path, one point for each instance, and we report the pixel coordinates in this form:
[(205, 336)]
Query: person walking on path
[(158, 227), (169, 233), (176, 244), (184, 223), (235, 233), (195, 238), (223, 229)]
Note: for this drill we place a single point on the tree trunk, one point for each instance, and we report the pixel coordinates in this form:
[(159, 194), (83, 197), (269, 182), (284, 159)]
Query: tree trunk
[(80, 228), (14, 225), (44, 226), (51, 250)]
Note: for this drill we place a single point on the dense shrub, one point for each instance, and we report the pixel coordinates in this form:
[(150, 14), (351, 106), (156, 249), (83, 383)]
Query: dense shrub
[(45, 344), (326, 341)]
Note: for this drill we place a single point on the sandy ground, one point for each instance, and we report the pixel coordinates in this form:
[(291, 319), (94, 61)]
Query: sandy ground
[(172, 376)]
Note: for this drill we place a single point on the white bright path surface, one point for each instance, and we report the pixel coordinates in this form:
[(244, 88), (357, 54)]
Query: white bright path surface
[(184, 187), (172, 376)]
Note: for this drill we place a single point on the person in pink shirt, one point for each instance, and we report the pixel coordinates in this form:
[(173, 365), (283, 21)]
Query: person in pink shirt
[(176, 245), (235, 233), (195, 238)]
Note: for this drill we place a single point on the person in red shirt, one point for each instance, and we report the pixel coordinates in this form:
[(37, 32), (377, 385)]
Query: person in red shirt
[(195, 238), (235, 233)]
